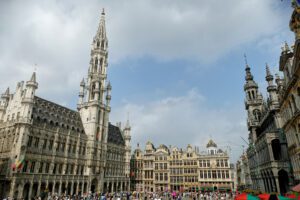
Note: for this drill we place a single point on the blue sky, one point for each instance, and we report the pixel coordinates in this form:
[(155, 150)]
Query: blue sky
[(176, 66)]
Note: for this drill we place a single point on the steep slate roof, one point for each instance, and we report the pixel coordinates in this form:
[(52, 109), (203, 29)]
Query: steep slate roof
[(115, 135), (56, 114)]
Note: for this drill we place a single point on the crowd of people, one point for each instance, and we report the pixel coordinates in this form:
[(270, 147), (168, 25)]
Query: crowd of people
[(143, 196), (206, 195)]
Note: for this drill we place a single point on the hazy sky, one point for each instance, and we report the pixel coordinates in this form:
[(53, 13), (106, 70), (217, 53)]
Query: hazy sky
[(176, 66)]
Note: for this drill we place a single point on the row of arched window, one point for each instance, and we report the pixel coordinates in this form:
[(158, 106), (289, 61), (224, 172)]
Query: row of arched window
[(57, 124), (60, 146)]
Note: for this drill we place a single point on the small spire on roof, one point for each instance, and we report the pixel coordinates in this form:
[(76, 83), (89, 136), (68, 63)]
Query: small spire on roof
[(286, 46), (7, 90), (246, 62), (108, 85), (103, 11), (268, 70), (82, 83), (33, 77)]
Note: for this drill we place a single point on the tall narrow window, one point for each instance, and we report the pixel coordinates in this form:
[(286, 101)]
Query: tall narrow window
[(45, 144), (32, 167), (41, 167), (96, 65), (29, 141)]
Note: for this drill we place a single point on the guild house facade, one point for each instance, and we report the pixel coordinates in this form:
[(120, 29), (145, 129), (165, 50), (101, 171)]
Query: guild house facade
[(46, 147), (172, 169)]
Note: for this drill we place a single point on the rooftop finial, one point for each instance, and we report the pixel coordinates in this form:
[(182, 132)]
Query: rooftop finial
[(246, 62), (268, 69), (103, 11), (286, 46), (127, 122)]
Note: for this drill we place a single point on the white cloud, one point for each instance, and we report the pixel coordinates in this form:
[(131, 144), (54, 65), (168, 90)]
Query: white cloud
[(56, 34), (199, 30), (184, 120)]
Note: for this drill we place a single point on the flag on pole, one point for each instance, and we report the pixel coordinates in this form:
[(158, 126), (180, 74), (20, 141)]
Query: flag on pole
[(18, 164)]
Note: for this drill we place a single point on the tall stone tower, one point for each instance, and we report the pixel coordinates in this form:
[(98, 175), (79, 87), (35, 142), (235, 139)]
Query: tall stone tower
[(93, 110), (127, 138), (253, 103), (94, 101)]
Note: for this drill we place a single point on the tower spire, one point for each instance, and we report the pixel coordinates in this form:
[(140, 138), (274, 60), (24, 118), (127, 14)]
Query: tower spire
[(248, 70), (127, 122), (101, 32), (269, 76)]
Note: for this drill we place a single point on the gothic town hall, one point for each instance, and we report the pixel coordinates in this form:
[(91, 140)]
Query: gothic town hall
[(46, 147)]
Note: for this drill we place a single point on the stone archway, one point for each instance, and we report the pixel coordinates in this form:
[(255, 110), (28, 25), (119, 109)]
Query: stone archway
[(26, 189), (75, 187), (63, 188), (85, 188), (69, 187), (80, 192), (35, 190), (56, 188), (94, 185), (105, 187), (43, 191), (50, 187), (283, 180)]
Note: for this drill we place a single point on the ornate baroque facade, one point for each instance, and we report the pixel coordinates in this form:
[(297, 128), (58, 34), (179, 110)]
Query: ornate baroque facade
[(45, 147), (289, 94), (173, 169)]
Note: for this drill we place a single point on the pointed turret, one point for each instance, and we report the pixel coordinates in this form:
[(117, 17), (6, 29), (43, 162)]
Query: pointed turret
[(28, 98), (6, 93), (4, 103), (269, 76), (250, 83), (272, 89), (82, 83), (33, 77), (31, 86), (5, 97), (253, 102), (32, 82), (127, 126), (81, 93)]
